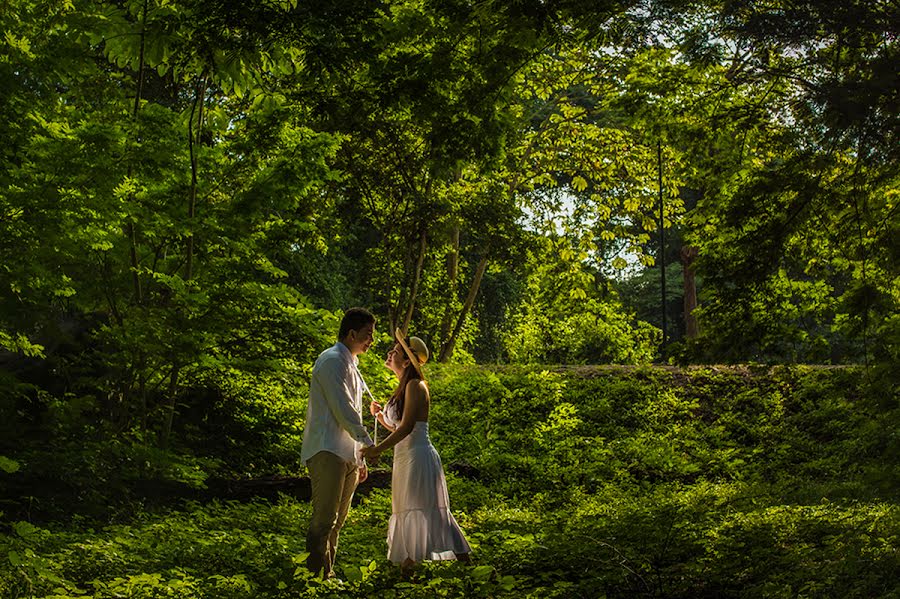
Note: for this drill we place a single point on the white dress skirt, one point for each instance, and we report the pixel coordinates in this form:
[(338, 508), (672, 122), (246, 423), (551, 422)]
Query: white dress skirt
[(421, 526)]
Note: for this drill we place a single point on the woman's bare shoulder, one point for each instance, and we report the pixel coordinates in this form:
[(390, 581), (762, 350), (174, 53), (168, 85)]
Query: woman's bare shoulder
[(417, 386)]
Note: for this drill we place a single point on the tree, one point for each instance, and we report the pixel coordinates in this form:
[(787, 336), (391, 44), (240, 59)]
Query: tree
[(563, 318), (811, 211), (151, 195)]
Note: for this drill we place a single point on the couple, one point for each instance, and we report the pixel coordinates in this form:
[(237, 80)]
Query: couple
[(336, 445)]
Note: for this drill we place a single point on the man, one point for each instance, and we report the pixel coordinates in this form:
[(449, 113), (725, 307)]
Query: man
[(333, 436)]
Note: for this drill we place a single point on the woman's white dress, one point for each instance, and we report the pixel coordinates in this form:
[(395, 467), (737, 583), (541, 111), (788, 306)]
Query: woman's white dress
[(421, 526)]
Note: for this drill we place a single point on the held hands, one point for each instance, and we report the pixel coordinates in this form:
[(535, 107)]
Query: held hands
[(370, 453)]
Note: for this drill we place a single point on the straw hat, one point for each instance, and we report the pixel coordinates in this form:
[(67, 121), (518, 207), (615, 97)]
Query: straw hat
[(415, 349)]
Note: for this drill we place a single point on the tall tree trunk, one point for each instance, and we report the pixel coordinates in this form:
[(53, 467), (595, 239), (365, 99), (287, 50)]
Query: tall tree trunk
[(193, 140), (394, 308), (142, 392), (129, 228), (452, 282), (192, 203), (417, 276), (691, 326), (130, 232), (166, 433), (448, 346), (662, 244)]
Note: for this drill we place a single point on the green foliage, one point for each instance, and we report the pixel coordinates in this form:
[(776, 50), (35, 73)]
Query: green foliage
[(162, 253), (7, 465), (20, 343), (191, 192), (591, 481), (561, 316)]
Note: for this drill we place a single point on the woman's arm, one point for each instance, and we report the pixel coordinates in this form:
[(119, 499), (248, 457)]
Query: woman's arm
[(415, 395), (378, 412), (383, 422)]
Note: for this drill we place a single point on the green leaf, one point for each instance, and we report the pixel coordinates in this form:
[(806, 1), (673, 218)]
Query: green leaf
[(26, 530), (8, 465)]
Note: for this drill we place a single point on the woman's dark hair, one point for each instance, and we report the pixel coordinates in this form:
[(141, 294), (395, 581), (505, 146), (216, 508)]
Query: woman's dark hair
[(354, 319), (398, 397)]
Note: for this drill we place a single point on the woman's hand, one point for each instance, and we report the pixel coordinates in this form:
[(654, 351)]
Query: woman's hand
[(374, 408)]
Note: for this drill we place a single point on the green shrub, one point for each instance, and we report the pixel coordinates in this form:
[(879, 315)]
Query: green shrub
[(613, 482)]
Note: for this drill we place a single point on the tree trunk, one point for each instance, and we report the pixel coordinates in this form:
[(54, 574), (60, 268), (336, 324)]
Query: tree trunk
[(452, 282), (129, 228), (192, 203), (166, 432), (662, 245), (417, 276), (447, 348), (691, 326), (193, 140), (394, 308), (142, 391)]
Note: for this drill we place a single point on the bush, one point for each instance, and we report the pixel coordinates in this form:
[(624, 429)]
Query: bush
[(600, 481)]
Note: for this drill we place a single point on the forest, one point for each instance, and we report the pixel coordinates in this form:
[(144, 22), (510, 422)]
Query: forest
[(652, 246)]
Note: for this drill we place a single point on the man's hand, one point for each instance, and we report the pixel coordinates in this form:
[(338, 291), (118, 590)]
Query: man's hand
[(363, 474)]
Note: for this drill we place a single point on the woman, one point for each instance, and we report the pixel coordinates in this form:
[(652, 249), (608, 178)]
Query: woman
[(421, 526)]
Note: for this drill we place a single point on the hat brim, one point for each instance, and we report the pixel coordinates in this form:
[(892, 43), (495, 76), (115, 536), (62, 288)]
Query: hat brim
[(398, 334)]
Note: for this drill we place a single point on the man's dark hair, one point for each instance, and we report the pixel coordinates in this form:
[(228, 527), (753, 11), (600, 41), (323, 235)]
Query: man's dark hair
[(354, 319)]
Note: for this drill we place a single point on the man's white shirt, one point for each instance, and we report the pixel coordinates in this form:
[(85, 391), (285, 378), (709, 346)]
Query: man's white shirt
[(334, 414)]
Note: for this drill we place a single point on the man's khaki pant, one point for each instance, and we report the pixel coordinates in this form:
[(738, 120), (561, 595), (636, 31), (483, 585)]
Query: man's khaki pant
[(333, 483)]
